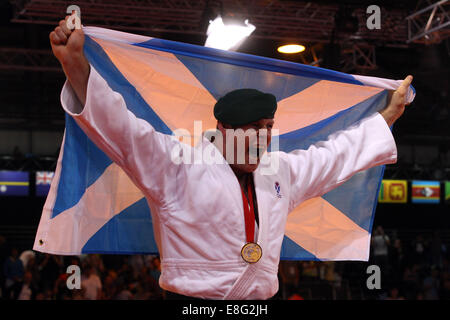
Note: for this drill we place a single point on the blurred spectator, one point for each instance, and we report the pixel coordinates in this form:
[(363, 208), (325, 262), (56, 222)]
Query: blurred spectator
[(25, 256), (95, 261), (77, 295), (397, 259), (50, 268), (411, 281), (125, 273), (109, 285), (419, 249), (123, 292), (394, 294), (75, 261), (149, 284), (3, 256), (328, 272), (33, 268), (48, 294), (60, 290), (148, 260), (28, 289), (31, 265), (290, 276), (91, 283), (136, 262), (155, 271), (40, 296), (13, 271), (431, 285), (141, 293), (310, 270), (380, 244)]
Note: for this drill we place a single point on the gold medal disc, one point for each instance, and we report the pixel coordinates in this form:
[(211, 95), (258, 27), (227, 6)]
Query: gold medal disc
[(251, 252)]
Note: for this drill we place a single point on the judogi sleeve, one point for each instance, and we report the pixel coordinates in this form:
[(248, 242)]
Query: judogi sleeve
[(143, 153), (326, 165)]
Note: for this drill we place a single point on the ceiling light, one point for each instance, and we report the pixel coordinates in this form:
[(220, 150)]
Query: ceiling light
[(291, 48)]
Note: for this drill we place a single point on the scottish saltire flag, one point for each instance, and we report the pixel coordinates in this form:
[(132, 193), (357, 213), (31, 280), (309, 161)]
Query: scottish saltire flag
[(14, 183), (171, 85)]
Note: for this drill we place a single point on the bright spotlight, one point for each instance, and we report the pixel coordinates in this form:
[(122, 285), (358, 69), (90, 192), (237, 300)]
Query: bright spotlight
[(227, 36)]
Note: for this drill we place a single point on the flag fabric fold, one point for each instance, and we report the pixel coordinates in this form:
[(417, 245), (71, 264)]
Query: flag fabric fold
[(94, 207)]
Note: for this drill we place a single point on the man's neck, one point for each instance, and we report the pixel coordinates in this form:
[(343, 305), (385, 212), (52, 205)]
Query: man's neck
[(242, 177)]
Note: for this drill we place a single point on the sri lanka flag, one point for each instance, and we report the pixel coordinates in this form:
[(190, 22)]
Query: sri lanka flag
[(171, 85)]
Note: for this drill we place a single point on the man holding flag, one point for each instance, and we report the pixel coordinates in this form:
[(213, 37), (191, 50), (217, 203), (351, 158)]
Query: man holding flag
[(219, 227)]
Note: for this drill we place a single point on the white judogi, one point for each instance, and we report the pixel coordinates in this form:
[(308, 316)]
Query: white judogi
[(197, 209)]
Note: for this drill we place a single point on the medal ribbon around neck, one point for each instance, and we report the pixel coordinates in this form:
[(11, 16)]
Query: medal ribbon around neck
[(249, 214), (251, 252)]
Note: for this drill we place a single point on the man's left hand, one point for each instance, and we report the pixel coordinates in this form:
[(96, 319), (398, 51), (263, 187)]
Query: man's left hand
[(396, 102)]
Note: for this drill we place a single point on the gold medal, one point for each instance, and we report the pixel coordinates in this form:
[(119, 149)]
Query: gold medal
[(251, 252)]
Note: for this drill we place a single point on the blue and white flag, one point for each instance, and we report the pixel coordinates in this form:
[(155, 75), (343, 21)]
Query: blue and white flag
[(155, 78)]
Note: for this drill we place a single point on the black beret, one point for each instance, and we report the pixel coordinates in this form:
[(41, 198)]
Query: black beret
[(243, 106)]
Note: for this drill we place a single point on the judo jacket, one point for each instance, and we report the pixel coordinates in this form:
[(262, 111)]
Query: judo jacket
[(197, 209)]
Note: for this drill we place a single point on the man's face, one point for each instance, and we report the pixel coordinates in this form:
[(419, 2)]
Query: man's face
[(257, 135)]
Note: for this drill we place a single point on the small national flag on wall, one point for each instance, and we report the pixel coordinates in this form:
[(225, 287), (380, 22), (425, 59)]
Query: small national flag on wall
[(14, 183), (447, 192), (393, 191), (425, 191), (43, 181)]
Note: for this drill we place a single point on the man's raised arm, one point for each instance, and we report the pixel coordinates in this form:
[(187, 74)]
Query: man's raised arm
[(102, 113), (396, 102), (67, 46), (330, 163)]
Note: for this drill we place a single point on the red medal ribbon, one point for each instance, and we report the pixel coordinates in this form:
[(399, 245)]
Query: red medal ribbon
[(249, 214)]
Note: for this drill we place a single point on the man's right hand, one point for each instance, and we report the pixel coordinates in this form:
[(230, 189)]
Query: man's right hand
[(67, 46)]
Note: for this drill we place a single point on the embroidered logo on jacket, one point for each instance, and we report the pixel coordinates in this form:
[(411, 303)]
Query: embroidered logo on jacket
[(278, 189)]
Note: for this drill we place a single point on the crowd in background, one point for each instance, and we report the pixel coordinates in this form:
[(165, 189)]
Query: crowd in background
[(38, 276), (413, 270)]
